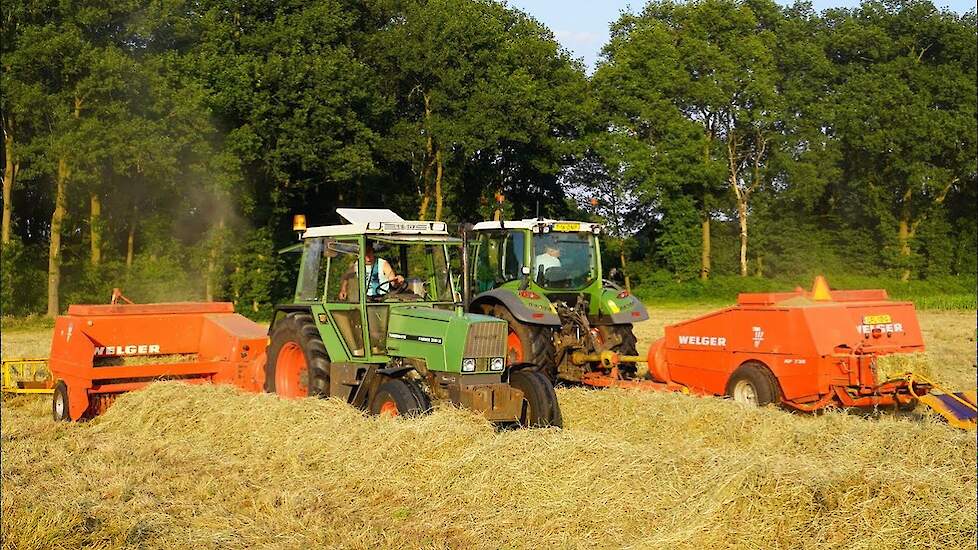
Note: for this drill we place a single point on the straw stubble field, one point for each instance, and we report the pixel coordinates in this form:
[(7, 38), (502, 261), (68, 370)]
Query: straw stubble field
[(175, 466)]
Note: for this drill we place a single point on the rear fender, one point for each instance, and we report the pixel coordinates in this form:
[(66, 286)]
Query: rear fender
[(281, 310), (614, 309), (538, 311)]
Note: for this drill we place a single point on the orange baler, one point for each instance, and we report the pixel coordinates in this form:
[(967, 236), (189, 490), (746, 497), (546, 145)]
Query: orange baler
[(100, 351), (805, 350)]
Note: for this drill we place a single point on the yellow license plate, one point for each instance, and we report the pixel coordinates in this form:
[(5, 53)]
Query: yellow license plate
[(877, 319), (567, 227)]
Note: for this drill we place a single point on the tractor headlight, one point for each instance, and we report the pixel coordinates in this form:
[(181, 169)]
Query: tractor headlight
[(468, 365), (496, 364)]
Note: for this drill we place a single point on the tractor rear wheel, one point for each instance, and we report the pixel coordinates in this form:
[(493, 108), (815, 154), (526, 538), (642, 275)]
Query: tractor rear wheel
[(59, 402), (528, 343), (753, 385), (400, 397), (540, 407), (622, 341), (298, 364)]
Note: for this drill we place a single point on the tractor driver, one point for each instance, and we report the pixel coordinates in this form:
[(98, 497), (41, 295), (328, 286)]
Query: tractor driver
[(378, 272), (549, 258)]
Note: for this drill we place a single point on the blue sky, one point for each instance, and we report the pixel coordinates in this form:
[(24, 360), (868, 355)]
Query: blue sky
[(581, 26)]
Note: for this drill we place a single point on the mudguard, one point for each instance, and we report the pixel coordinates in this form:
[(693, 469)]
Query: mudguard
[(538, 311), (615, 309)]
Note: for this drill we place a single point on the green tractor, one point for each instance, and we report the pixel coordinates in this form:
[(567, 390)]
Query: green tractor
[(543, 277), (397, 337)]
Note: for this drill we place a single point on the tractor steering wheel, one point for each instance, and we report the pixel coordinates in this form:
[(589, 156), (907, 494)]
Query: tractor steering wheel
[(391, 286)]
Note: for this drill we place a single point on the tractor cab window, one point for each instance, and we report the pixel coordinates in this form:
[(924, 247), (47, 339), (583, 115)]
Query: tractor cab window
[(313, 263), (343, 286), (564, 260), (407, 270), (499, 259)]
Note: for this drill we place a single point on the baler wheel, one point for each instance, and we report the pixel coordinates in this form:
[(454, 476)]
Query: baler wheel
[(397, 397), (540, 406), (59, 402), (528, 343), (753, 385), (298, 365)]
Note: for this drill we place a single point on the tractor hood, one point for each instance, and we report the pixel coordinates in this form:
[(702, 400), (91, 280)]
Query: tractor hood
[(442, 338)]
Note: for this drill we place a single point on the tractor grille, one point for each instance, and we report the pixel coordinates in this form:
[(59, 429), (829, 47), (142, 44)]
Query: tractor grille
[(487, 339)]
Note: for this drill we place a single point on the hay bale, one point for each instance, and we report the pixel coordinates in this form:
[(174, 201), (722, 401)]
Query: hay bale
[(206, 466), (895, 365)]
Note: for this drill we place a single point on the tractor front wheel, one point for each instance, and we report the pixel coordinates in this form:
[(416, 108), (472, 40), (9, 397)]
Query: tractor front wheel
[(540, 407), (298, 364), (399, 397), (753, 385)]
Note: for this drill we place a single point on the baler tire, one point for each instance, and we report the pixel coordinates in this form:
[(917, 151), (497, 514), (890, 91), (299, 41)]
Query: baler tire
[(763, 382), (541, 409), (60, 394), (536, 341), (300, 328), (405, 399)]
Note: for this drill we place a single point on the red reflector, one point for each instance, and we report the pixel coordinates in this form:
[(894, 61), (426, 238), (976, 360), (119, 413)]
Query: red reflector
[(636, 314), (623, 294), (537, 316), (529, 294)]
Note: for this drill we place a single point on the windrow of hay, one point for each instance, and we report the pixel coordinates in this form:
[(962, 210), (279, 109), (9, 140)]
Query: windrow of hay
[(177, 465)]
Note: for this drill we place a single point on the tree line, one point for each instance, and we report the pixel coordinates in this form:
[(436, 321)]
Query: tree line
[(163, 146)]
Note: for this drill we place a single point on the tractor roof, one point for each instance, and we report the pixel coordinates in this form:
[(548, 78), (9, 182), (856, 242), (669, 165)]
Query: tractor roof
[(379, 221), (531, 223)]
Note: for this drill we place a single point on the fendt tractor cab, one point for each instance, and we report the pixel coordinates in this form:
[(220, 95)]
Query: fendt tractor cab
[(543, 277), (378, 321)]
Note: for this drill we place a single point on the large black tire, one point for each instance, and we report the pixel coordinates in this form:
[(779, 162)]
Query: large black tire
[(624, 335), (59, 403), (536, 341), (300, 329), (400, 397), (624, 343), (540, 406), (754, 385)]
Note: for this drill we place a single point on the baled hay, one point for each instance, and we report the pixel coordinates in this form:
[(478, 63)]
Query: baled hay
[(894, 365), (203, 466)]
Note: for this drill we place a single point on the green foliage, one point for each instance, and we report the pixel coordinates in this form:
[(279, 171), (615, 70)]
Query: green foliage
[(203, 126), (661, 288)]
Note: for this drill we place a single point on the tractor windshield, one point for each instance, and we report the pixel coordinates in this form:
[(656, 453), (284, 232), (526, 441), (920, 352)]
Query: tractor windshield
[(408, 271), (564, 260)]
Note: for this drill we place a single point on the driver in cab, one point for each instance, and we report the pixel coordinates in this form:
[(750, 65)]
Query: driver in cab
[(379, 278), (549, 258)]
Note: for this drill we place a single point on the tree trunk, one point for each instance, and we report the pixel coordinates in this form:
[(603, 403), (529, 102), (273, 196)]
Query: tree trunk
[(705, 249), (742, 218), (54, 252), (131, 242), (9, 175), (212, 261), (705, 257), (624, 267), (439, 199), (904, 236), (95, 229), (428, 163)]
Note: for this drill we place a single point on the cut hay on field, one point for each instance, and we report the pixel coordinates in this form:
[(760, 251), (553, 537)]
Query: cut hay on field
[(177, 465)]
